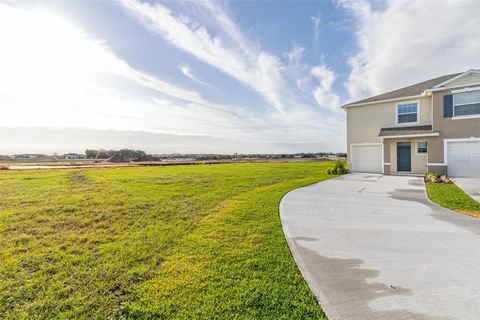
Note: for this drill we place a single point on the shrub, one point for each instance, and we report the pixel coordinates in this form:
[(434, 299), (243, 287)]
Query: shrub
[(430, 177), (444, 179), (4, 167), (338, 169), (436, 178), (339, 165)]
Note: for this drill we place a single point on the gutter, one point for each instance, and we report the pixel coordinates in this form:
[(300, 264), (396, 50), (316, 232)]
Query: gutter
[(423, 94), (415, 135)]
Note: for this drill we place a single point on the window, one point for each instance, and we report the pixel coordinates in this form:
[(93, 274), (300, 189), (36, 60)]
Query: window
[(407, 113), (422, 147), (466, 103)]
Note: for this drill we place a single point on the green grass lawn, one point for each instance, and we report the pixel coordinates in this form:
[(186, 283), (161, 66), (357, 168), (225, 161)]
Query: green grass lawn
[(185, 242), (452, 197)]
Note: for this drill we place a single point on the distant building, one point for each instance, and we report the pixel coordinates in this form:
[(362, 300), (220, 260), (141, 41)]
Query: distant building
[(30, 156), (73, 156)]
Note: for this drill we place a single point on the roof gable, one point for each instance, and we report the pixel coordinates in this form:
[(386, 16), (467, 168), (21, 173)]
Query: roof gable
[(410, 91), (464, 79)]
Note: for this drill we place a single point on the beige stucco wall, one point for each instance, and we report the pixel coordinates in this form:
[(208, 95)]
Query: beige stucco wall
[(386, 157), (386, 151), (448, 128), (419, 161), (364, 122)]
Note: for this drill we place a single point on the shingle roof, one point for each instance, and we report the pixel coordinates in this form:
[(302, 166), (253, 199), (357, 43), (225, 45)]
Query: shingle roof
[(385, 132), (412, 90)]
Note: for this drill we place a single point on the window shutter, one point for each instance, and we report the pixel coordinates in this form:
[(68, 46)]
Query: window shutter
[(448, 106)]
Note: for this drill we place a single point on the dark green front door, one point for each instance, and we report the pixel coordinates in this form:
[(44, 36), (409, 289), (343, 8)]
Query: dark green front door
[(404, 159)]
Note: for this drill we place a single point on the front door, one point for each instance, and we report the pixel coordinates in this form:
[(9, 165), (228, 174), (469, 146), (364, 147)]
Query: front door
[(404, 158)]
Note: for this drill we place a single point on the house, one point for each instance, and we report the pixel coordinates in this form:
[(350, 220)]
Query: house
[(27, 156), (72, 155), (429, 126)]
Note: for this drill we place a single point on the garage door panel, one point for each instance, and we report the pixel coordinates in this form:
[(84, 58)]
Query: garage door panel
[(367, 158), (463, 159)]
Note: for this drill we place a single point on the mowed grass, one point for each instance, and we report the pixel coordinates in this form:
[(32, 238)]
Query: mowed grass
[(452, 197), (182, 242)]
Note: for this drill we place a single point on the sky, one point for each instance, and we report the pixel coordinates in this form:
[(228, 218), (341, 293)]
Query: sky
[(214, 76)]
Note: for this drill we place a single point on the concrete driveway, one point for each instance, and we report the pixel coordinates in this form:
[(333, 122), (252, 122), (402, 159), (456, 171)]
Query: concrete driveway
[(374, 247), (470, 185)]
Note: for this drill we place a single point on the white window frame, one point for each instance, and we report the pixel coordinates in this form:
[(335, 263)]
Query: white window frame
[(416, 148), (398, 104), (468, 116)]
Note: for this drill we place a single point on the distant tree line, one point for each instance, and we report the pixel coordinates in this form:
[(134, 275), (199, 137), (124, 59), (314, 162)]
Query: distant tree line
[(255, 155), (139, 155), (105, 154)]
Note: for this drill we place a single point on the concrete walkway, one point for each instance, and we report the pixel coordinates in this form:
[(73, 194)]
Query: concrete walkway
[(470, 185), (374, 247)]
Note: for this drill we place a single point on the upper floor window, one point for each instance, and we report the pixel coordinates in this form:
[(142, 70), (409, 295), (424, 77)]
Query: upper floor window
[(466, 103), (407, 113)]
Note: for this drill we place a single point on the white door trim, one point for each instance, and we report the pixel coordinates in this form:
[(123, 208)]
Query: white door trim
[(446, 141), (367, 144), (383, 158), (363, 144)]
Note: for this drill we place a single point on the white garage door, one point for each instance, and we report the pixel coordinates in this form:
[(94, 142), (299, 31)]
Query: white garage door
[(463, 159), (367, 158)]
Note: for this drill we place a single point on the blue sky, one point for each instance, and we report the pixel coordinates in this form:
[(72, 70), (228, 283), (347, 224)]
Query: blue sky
[(220, 77)]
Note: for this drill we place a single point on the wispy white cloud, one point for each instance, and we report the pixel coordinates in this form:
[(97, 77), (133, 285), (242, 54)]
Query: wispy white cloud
[(316, 20), (75, 80), (295, 56), (187, 72), (323, 93), (52, 70), (296, 68), (64, 59), (233, 54), (410, 41)]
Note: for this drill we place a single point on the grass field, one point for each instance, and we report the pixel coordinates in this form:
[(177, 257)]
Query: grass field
[(452, 197), (184, 242)]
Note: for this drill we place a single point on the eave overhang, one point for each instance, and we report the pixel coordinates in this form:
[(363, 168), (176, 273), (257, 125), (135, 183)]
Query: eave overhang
[(407, 132)]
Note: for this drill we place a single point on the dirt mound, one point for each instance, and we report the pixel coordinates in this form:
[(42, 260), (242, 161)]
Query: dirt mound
[(118, 158), (147, 157)]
